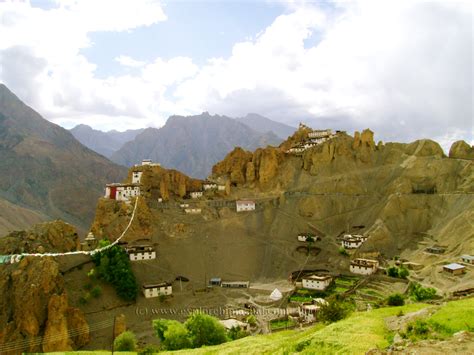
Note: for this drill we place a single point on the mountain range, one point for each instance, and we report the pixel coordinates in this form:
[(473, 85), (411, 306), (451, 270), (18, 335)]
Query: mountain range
[(104, 143), (47, 173), (190, 144)]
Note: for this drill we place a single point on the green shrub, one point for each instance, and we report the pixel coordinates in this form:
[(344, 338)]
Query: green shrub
[(392, 271), (252, 320), (403, 272), (420, 293), (396, 299), (237, 333), (88, 286), (334, 310), (205, 330), (96, 291), (125, 342), (199, 329), (343, 251)]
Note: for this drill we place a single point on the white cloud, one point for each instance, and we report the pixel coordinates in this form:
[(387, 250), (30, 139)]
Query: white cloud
[(127, 61), (402, 68)]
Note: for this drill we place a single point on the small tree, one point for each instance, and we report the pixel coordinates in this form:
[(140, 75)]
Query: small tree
[(125, 342), (176, 337), (420, 293), (403, 273), (334, 310), (392, 271), (396, 299), (237, 333), (205, 330)]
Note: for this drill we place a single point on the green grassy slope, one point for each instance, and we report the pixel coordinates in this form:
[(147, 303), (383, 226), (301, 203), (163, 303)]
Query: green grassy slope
[(355, 335)]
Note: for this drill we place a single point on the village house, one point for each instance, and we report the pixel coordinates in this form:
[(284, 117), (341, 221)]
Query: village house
[(192, 210), (435, 250), (454, 269), (136, 177), (235, 284), (352, 241), (308, 312), (141, 252), (364, 266), (158, 289), (468, 259), (121, 192), (184, 205), (215, 281), (220, 187), (196, 194), (304, 237), (209, 185), (316, 282), (245, 205)]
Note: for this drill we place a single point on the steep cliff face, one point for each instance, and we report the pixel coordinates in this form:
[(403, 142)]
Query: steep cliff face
[(35, 313), (112, 216), (242, 167)]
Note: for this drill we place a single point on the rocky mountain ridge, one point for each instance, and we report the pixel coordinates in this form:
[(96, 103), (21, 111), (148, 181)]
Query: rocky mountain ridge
[(192, 144), (104, 143), (46, 169)]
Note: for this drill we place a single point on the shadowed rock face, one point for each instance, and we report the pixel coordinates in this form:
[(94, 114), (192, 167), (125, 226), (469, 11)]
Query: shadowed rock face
[(48, 169), (35, 310)]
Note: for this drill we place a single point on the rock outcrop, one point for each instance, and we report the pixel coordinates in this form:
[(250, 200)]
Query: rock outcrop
[(56, 236), (461, 150), (35, 313)]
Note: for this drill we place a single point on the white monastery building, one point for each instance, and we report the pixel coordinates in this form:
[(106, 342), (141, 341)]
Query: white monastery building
[(317, 282), (141, 252), (136, 177), (364, 266), (121, 192), (245, 205), (353, 241), (159, 289)]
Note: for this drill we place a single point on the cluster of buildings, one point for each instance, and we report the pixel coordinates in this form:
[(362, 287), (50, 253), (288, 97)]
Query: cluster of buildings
[(207, 186), (124, 192), (315, 137)]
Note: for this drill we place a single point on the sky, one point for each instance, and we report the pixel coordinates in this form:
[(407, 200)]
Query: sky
[(401, 68)]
